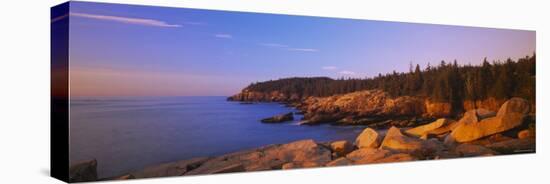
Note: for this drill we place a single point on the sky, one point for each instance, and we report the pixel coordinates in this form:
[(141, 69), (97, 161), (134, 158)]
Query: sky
[(129, 50)]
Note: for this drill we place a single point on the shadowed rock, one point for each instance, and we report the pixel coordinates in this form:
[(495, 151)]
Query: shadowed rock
[(514, 146), (83, 171), (341, 148), (279, 118), (470, 150)]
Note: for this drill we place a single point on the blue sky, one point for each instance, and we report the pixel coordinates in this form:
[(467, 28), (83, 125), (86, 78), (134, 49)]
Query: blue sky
[(127, 50)]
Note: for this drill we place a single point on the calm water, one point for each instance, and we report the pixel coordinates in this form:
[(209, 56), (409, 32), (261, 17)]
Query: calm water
[(126, 134)]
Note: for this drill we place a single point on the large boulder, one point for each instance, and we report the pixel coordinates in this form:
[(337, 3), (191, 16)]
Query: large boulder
[(427, 128), (514, 105), (341, 148), (395, 140), (279, 118), (83, 171), (369, 138), (510, 115), (398, 142), (472, 131)]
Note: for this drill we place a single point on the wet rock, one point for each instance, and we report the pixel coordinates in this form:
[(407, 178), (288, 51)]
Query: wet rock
[(279, 118), (83, 171)]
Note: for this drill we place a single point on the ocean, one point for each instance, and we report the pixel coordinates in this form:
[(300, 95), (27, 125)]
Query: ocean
[(129, 133)]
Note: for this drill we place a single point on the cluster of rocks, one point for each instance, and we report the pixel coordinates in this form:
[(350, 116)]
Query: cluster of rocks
[(479, 132)]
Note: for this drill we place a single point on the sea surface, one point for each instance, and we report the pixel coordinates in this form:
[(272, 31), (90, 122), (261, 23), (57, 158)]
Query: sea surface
[(126, 134)]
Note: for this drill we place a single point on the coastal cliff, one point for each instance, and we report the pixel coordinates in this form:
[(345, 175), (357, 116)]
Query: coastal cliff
[(368, 107)]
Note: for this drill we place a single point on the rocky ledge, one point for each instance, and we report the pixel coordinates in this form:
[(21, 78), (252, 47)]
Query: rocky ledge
[(479, 132), (279, 118)]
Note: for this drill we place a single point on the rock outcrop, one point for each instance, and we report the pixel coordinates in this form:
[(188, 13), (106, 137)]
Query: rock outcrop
[(279, 118), (358, 105), (302, 153)]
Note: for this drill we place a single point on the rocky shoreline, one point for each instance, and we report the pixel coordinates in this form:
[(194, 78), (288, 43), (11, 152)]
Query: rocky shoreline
[(479, 132), (374, 108)]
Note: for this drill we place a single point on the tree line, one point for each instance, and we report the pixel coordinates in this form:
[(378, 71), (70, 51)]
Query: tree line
[(446, 82)]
